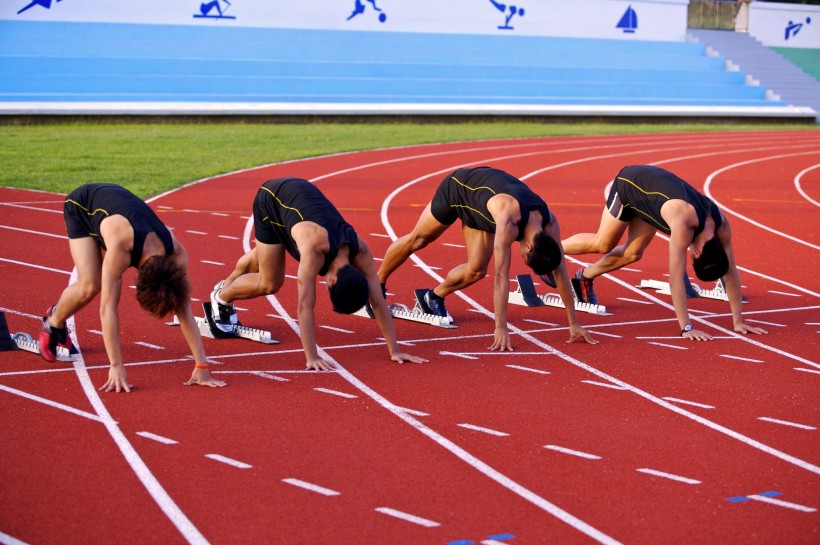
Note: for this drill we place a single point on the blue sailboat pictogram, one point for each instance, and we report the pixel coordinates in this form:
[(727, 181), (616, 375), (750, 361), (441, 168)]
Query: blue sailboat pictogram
[(629, 21)]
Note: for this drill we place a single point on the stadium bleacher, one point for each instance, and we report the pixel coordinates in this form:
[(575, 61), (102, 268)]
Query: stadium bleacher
[(60, 67)]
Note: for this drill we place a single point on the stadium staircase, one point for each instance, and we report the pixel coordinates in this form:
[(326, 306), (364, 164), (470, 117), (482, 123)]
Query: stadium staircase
[(771, 70)]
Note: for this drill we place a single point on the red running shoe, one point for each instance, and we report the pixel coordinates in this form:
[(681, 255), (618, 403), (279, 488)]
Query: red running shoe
[(51, 337)]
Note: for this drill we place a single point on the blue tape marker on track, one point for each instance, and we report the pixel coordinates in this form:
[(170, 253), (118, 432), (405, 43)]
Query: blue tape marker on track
[(461, 542), (737, 499), (499, 537)]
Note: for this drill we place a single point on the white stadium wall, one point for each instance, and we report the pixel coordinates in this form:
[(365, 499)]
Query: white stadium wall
[(785, 25), (659, 20)]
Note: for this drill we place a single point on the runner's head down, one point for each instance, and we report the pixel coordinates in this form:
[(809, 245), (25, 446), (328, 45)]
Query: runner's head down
[(712, 263), (350, 291), (162, 286), (544, 255)]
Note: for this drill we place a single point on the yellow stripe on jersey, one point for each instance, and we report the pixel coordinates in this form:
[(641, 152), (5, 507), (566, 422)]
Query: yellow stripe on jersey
[(283, 204), (267, 219), (636, 186), (474, 210), (86, 209), (490, 189)]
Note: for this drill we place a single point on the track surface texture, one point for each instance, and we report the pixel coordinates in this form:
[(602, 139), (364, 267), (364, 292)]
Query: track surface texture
[(643, 438)]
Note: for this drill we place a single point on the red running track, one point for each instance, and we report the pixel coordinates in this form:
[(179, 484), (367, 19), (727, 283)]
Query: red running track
[(643, 438)]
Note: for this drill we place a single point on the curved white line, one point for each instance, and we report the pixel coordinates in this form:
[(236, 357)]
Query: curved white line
[(800, 188), (654, 399), (708, 193)]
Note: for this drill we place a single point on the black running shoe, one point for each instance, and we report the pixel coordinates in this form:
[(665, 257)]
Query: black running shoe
[(434, 304), (583, 288), (548, 279)]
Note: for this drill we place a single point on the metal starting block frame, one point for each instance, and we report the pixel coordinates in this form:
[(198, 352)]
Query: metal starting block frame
[(417, 314), (207, 329), (526, 296), (718, 292), (24, 341)]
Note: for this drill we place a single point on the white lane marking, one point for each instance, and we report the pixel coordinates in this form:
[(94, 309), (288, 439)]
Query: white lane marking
[(458, 355), (638, 301), (229, 237), (599, 332), (670, 476), (29, 231), (453, 245), (781, 503), (49, 402), (195, 232), (412, 411), (33, 266), (6, 539), (676, 347), (539, 322), (530, 369), (207, 262), (229, 461), (786, 423), (571, 452), (800, 188), (740, 358), (336, 393), (220, 214), (268, 376), (407, 517), (157, 438), (605, 385), (752, 320), (785, 293), (807, 370), (310, 486), (339, 329), (149, 345), (685, 402), (484, 430)]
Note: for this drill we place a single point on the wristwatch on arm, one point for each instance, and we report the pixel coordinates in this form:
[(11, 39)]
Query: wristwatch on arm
[(687, 327)]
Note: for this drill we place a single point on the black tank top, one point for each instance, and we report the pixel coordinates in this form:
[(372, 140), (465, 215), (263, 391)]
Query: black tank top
[(282, 203), (645, 189), (89, 205), (470, 189)]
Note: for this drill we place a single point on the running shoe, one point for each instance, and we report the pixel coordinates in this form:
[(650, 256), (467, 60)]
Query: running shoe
[(224, 314), (434, 304), (548, 279), (583, 288), (51, 337)]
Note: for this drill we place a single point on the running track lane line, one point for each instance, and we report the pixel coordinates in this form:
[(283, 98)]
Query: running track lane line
[(566, 357), (161, 497), (439, 439)]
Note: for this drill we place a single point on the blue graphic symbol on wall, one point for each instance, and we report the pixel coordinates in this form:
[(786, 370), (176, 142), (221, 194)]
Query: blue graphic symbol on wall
[(359, 7), (513, 11), (45, 3), (793, 28), (214, 10), (629, 21)]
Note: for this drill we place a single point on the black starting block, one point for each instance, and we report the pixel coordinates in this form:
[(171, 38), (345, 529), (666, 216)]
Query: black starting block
[(207, 328), (417, 314), (692, 290), (526, 296)]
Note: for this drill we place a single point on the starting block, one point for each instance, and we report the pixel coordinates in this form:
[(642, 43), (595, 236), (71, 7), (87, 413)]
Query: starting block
[(526, 296), (207, 328), (24, 341), (416, 314), (718, 292)]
